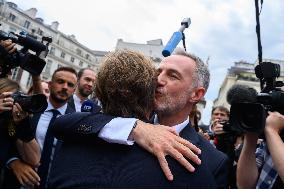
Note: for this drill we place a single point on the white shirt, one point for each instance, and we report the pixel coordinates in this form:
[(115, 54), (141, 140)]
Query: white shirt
[(78, 102), (119, 129), (179, 127), (43, 123)]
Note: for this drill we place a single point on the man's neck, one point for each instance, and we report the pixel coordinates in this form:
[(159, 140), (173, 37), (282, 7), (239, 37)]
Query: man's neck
[(172, 120), (82, 98), (55, 104)]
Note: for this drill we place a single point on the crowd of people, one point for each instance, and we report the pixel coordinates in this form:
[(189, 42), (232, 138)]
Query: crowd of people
[(141, 132)]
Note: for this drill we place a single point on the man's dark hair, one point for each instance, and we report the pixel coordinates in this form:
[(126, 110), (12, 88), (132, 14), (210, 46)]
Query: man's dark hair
[(81, 71), (126, 84), (222, 109), (67, 69)]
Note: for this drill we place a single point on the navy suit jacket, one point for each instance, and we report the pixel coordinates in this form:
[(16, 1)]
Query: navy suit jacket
[(93, 163), (10, 180)]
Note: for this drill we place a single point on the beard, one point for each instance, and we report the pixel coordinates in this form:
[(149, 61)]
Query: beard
[(57, 99), (169, 104), (84, 92)]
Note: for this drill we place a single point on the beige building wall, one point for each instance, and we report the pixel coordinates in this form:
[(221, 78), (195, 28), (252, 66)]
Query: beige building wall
[(242, 73), (64, 50)]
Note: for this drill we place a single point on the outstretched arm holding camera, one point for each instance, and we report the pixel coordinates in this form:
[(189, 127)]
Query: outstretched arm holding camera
[(27, 146), (274, 125), (247, 172), (261, 167)]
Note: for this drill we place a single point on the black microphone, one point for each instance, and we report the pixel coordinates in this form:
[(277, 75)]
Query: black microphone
[(87, 106), (241, 94)]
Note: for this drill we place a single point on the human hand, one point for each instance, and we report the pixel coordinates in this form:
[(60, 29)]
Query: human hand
[(25, 174), (217, 127), (274, 122), (18, 114), (6, 102), (205, 135), (162, 141), (8, 45)]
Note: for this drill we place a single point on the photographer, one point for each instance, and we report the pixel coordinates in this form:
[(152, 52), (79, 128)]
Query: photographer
[(224, 139), (13, 121), (17, 138), (262, 166)]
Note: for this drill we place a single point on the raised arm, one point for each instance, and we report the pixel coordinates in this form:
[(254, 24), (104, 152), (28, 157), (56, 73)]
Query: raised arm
[(273, 128), (247, 172)]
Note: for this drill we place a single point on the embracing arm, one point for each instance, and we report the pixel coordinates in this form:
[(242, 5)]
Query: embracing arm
[(157, 139)]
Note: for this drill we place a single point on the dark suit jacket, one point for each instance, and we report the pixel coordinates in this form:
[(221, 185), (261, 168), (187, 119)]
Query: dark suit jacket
[(10, 180), (92, 163)]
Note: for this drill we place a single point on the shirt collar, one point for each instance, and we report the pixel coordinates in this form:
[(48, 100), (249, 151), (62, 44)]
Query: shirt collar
[(62, 109), (77, 99), (179, 127)]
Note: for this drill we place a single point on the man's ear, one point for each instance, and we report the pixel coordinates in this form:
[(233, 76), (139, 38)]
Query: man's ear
[(197, 94)]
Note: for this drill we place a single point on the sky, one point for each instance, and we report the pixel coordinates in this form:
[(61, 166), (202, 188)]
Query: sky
[(221, 30)]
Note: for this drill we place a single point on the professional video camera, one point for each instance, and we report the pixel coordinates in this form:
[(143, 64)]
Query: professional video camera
[(33, 63), (31, 104), (249, 108)]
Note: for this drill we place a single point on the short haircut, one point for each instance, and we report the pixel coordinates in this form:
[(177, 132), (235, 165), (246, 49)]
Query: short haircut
[(221, 108), (66, 69), (7, 84), (81, 71), (201, 77), (126, 84)]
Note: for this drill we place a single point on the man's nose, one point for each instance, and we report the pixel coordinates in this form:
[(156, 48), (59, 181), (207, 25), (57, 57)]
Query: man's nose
[(65, 85), (161, 80)]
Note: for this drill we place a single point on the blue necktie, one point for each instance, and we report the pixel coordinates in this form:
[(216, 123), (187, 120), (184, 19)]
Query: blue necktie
[(46, 151)]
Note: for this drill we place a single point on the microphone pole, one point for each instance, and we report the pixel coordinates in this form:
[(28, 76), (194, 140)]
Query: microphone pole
[(176, 38)]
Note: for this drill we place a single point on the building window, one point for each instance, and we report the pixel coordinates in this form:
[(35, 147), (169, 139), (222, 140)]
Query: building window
[(27, 24), (79, 52), (72, 59), (81, 63), (87, 56), (47, 67), (52, 51), (39, 31), (62, 55), (15, 73), (12, 17), (30, 81)]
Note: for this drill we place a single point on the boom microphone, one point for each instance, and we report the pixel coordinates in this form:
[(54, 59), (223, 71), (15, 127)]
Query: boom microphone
[(241, 93), (176, 37)]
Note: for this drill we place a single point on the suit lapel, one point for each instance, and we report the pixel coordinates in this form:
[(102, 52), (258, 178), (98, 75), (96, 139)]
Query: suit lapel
[(34, 121), (70, 109), (190, 134)]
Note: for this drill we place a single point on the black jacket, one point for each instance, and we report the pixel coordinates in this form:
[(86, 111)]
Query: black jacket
[(93, 163)]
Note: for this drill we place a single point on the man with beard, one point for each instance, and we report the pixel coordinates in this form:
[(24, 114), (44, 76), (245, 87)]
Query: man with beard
[(182, 81), (85, 87), (61, 86)]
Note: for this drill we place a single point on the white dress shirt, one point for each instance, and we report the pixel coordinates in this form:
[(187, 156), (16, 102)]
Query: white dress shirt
[(43, 123), (78, 102), (119, 129)]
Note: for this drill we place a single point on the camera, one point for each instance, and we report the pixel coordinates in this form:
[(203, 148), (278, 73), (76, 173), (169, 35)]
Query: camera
[(31, 104), (250, 115), (33, 63)]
